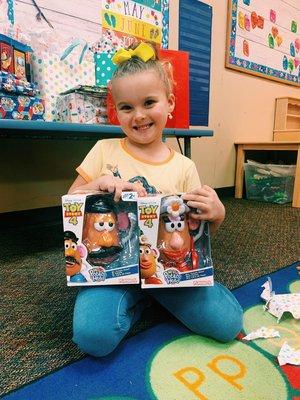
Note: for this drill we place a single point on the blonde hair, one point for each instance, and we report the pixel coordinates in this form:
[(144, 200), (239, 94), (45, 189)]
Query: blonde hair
[(135, 65)]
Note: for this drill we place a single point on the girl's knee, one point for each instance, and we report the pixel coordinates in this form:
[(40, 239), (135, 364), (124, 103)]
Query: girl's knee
[(231, 326), (97, 343), (220, 317)]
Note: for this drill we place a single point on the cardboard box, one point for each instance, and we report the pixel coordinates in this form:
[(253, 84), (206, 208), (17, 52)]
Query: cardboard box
[(101, 239), (174, 249), (21, 107)]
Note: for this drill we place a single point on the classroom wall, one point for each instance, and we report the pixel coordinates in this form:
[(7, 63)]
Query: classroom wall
[(241, 107), (34, 174)]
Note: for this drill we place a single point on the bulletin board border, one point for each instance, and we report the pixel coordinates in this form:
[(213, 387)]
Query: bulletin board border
[(247, 66)]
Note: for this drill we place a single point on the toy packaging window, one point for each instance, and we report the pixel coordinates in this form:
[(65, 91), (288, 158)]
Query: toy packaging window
[(101, 239), (174, 248)]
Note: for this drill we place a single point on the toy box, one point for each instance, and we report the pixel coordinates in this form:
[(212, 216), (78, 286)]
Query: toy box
[(174, 248), (21, 107), (269, 182), (101, 239), (83, 104)]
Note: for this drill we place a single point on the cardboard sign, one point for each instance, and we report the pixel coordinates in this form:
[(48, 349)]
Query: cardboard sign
[(132, 20)]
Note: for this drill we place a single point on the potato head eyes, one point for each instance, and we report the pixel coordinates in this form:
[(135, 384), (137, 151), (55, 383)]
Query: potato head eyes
[(104, 226), (146, 251), (174, 226), (73, 246)]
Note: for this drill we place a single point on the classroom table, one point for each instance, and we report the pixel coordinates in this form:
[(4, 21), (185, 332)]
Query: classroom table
[(42, 130)]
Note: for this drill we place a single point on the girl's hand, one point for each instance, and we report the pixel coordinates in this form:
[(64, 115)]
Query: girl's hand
[(117, 185), (107, 183), (209, 206)]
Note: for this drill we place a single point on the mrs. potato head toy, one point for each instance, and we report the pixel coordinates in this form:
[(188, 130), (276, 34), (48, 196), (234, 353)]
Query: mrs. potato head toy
[(177, 234)]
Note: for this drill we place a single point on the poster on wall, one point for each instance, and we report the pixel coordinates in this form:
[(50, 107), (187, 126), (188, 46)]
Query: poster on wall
[(133, 20), (263, 38)]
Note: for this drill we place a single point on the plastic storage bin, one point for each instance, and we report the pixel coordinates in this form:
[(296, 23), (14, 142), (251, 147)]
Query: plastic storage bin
[(269, 182)]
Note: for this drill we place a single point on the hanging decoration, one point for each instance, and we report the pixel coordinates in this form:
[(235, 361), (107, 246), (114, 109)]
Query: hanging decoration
[(10, 11)]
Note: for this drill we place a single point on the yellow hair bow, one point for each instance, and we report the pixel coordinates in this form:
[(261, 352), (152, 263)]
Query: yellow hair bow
[(143, 51)]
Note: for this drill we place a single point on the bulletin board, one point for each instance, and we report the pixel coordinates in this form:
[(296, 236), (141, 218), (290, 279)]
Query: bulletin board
[(263, 38)]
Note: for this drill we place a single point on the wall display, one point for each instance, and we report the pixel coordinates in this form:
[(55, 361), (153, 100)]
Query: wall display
[(263, 38)]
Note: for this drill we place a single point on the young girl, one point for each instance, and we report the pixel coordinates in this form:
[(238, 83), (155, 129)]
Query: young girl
[(142, 93)]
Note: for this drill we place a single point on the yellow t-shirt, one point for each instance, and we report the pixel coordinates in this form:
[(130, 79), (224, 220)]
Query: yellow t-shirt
[(111, 157)]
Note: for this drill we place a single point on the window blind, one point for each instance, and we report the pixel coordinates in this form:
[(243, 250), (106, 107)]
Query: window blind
[(195, 20)]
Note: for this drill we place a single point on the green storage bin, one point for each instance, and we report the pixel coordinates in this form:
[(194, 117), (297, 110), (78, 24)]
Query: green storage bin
[(269, 182)]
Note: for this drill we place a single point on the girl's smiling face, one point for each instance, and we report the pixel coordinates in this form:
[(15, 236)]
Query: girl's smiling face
[(142, 105)]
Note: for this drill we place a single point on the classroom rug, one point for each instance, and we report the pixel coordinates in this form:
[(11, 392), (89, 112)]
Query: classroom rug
[(168, 362)]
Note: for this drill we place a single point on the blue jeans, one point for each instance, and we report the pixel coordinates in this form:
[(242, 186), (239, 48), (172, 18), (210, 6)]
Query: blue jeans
[(104, 315)]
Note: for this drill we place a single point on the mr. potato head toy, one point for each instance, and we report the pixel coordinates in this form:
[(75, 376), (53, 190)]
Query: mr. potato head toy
[(100, 234), (148, 262), (101, 230), (73, 256), (177, 234)]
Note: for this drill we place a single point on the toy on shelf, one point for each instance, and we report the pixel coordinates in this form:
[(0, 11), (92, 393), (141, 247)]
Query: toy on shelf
[(15, 57), (101, 239), (174, 248), (18, 95)]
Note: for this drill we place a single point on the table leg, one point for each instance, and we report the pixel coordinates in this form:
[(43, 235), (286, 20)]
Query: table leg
[(239, 172), (296, 194), (187, 147)]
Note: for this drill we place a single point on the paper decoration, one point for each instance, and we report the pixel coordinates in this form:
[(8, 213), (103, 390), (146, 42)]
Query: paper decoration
[(181, 112), (53, 76), (132, 20), (262, 37), (262, 332), (288, 355), (104, 68), (165, 24), (10, 11), (278, 304)]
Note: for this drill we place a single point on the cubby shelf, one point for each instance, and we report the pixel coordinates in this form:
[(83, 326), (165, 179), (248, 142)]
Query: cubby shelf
[(287, 119)]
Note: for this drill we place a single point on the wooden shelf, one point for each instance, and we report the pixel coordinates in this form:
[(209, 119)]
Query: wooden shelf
[(287, 119), (293, 116)]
